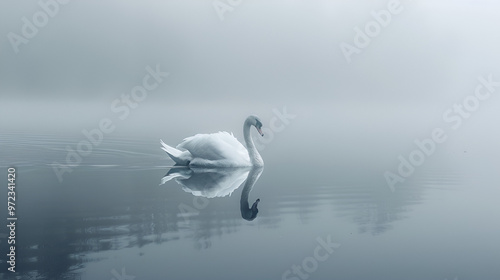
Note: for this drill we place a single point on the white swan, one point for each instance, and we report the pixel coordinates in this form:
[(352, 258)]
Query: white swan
[(220, 149)]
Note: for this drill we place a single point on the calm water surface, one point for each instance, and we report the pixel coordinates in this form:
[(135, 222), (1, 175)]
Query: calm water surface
[(111, 219)]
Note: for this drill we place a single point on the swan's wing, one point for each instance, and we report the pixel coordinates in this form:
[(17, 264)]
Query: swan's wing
[(215, 147)]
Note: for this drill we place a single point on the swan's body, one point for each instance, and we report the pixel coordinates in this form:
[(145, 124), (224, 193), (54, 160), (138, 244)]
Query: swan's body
[(220, 149)]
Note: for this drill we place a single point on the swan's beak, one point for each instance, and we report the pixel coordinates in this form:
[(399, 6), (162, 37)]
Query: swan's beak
[(260, 132)]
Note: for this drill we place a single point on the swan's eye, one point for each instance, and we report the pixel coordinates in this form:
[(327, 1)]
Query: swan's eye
[(258, 124)]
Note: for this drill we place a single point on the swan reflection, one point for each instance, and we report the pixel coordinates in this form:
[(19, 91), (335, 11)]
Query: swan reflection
[(218, 182)]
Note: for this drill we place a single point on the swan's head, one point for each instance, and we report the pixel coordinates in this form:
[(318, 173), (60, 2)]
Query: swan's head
[(255, 121)]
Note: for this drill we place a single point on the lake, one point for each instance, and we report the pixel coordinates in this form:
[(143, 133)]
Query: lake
[(320, 215)]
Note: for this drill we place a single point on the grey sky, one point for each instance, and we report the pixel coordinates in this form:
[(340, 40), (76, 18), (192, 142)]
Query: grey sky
[(282, 48), (263, 55)]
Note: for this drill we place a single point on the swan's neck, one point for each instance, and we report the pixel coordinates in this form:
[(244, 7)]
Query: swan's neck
[(254, 155)]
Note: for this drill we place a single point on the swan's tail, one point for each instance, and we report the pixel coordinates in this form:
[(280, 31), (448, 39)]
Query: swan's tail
[(180, 157)]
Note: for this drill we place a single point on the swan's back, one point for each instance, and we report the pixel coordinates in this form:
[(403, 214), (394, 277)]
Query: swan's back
[(216, 149)]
